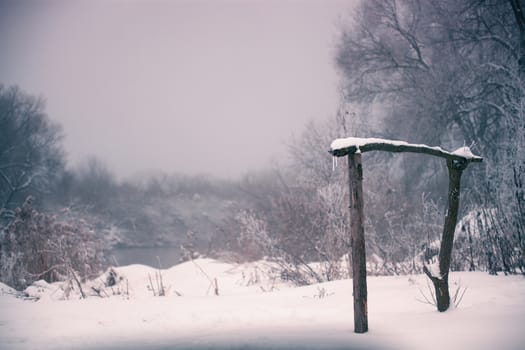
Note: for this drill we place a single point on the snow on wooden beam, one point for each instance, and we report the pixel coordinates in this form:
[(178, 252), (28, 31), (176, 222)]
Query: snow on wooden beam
[(351, 145)]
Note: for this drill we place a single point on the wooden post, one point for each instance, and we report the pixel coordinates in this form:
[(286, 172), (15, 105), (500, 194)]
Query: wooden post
[(357, 234), (455, 169)]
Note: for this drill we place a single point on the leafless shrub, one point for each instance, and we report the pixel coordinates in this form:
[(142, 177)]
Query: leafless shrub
[(37, 246)]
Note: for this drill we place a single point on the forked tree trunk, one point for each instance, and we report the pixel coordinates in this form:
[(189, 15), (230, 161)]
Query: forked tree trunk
[(357, 234), (455, 169)]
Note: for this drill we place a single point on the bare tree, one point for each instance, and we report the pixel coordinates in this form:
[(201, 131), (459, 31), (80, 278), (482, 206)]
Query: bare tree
[(31, 156)]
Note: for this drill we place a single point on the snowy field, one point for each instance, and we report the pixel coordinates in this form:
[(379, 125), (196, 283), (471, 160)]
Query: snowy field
[(254, 311)]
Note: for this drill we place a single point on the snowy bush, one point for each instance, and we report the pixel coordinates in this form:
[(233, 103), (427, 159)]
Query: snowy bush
[(37, 246), (297, 241)]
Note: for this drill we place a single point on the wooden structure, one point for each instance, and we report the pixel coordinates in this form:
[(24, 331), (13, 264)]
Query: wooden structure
[(457, 161)]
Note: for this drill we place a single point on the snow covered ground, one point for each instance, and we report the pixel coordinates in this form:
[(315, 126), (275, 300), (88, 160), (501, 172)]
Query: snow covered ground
[(254, 311)]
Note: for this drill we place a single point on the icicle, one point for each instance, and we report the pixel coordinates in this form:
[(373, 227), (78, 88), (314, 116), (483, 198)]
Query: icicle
[(334, 163)]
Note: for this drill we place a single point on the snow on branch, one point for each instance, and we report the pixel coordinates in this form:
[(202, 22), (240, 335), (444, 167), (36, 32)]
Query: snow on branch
[(350, 145)]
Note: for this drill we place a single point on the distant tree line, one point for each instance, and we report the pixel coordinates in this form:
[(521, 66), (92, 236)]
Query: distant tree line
[(60, 222)]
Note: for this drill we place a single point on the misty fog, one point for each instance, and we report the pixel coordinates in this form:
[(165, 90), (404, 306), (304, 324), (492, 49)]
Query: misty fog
[(212, 87)]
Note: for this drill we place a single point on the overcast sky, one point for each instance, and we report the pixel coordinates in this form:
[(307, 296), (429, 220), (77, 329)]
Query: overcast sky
[(215, 87)]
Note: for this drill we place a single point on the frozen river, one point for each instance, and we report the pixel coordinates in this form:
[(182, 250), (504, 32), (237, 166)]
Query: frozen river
[(168, 256)]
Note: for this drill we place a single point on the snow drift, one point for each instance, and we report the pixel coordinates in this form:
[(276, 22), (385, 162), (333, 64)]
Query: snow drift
[(256, 311)]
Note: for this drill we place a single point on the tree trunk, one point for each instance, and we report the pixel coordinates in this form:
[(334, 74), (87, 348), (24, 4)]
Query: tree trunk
[(357, 234), (455, 169), (519, 15)]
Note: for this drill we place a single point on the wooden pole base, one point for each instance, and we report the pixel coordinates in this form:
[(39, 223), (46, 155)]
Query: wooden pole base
[(357, 234)]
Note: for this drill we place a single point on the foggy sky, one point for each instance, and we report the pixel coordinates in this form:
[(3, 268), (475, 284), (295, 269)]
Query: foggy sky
[(215, 87)]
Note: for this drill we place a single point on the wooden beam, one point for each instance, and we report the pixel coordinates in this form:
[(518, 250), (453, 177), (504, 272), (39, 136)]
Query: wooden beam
[(357, 234), (400, 146)]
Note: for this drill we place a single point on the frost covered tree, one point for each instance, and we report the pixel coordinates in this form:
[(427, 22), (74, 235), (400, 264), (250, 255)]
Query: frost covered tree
[(450, 73), (31, 156)]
